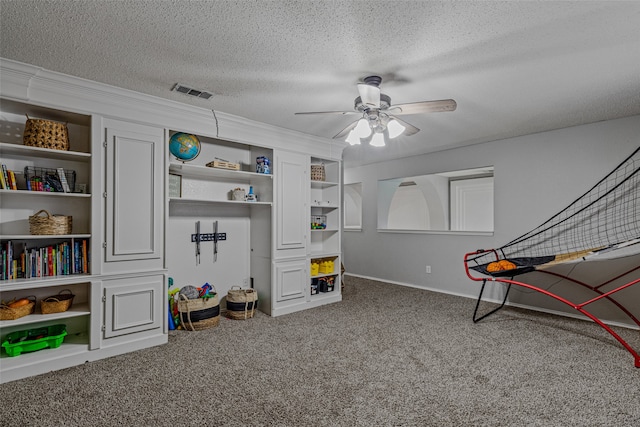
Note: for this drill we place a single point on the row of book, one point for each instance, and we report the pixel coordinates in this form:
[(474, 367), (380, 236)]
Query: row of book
[(61, 259), (8, 179)]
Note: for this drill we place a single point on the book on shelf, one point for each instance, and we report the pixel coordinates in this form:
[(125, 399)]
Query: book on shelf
[(63, 180), (12, 180)]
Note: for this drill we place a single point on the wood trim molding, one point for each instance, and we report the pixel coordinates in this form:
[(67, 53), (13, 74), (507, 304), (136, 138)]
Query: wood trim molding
[(28, 83)]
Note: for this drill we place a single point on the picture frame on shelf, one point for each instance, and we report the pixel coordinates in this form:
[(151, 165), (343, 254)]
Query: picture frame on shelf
[(175, 185)]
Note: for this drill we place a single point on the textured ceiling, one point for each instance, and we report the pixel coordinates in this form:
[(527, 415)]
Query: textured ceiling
[(514, 68)]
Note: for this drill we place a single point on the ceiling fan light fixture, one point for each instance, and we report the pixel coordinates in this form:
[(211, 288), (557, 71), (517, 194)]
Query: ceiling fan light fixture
[(377, 140), (362, 129), (395, 128), (353, 138)]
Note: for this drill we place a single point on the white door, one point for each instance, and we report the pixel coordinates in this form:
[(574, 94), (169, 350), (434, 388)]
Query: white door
[(133, 305), (472, 204), (133, 191), (292, 189), (292, 279)]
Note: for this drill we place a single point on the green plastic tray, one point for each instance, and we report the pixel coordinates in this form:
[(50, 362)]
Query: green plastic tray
[(34, 339)]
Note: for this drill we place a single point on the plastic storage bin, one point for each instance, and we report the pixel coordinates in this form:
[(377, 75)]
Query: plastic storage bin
[(34, 339)]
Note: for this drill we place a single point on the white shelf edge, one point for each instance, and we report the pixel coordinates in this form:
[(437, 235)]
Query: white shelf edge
[(222, 202), (43, 236), (205, 171), (43, 282), (325, 206), (317, 276), (323, 184), (71, 345), (44, 193), (76, 310), (323, 254), (26, 150)]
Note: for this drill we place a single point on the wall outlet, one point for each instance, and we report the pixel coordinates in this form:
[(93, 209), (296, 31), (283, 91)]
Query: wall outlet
[(428, 269)]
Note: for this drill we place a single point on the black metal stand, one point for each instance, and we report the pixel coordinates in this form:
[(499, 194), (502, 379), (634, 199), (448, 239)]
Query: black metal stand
[(475, 312)]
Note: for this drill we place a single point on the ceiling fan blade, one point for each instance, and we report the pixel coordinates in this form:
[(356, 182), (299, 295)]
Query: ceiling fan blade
[(344, 132), (329, 112), (409, 128), (424, 107), (370, 95)]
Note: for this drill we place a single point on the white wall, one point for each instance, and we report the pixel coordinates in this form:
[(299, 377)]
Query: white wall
[(535, 177)]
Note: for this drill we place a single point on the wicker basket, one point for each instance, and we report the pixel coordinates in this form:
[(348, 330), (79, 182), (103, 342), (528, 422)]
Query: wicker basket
[(317, 172), (57, 303), (51, 224), (46, 134), (241, 303), (8, 313)]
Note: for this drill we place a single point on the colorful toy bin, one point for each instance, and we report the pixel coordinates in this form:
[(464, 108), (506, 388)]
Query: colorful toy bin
[(318, 222)]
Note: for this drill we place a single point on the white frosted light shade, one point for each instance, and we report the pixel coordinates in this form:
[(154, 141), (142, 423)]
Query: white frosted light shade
[(362, 129), (377, 140), (352, 138), (395, 128)]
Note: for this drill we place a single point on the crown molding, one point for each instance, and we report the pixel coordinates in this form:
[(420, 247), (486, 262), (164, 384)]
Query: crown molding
[(36, 85)]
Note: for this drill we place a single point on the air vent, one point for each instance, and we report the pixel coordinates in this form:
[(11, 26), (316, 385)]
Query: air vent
[(191, 91)]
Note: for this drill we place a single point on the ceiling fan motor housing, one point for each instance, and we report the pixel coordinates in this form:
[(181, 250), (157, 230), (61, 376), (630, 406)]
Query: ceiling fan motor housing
[(385, 102)]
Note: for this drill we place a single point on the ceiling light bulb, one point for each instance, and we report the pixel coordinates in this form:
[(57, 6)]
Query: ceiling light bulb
[(353, 138), (377, 140), (395, 129), (362, 129)]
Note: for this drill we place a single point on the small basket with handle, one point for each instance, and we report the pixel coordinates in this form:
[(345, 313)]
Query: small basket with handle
[(57, 303), (241, 303), (199, 313), (49, 225), (7, 312)]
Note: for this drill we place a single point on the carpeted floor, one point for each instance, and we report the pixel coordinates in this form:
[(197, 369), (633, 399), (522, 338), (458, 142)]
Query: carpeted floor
[(385, 356)]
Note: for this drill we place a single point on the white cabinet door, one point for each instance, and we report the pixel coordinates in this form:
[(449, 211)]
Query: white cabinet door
[(291, 279), (292, 186), (133, 305), (133, 192)]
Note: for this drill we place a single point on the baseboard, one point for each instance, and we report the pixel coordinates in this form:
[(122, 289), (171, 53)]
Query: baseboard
[(492, 300)]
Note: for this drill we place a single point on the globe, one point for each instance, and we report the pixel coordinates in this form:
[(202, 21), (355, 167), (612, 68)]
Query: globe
[(184, 146)]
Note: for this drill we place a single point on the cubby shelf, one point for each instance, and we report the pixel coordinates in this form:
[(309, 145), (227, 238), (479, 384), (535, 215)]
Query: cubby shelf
[(27, 193), (43, 282), (217, 202), (76, 310), (187, 170), (43, 237), (37, 152)]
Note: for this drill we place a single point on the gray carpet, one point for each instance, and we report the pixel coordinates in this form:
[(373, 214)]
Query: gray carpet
[(385, 356)]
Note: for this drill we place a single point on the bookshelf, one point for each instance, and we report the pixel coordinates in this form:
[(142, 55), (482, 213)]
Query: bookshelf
[(44, 265)]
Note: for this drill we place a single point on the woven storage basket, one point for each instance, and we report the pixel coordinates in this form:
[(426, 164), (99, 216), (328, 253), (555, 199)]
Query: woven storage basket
[(241, 303), (317, 172), (51, 224), (57, 303), (8, 313), (198, 314), (46, 134)]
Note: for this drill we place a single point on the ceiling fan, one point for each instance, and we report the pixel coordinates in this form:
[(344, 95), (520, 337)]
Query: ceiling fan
[(379, 116)]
